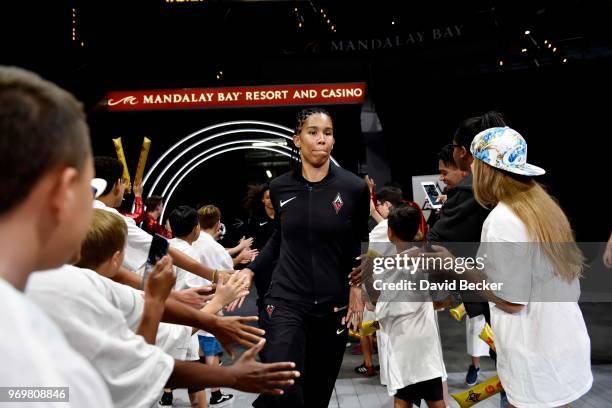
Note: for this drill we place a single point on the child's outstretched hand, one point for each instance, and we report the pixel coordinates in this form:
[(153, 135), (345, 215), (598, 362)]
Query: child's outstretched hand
[(234, 288)]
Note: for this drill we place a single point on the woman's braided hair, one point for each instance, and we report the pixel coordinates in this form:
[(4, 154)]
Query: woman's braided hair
[(305, 114)]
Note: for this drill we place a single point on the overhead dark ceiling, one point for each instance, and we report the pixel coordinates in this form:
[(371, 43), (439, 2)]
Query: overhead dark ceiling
[(159, 43)]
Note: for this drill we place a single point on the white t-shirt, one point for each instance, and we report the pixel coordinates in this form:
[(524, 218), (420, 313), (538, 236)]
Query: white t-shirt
[(171, 338), (476, 347), (138, 241), (135, 372), (185, 280), (379, 241), (211, 253), (35, 353), (410, 350), (379, 232), (543, 352)]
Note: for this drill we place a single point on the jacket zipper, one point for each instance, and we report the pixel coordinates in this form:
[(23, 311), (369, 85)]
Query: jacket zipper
[(312, 258)]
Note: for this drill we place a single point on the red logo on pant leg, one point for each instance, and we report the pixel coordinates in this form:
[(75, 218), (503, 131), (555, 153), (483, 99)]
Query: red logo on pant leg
[(337, 203), (269, 310)]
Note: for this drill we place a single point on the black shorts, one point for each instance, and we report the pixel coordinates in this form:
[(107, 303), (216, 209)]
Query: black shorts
[(430, 390), (197, 389)]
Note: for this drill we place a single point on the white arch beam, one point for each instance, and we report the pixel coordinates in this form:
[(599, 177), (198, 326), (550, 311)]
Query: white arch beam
[(196, 165), (206, 129), (205, 152)]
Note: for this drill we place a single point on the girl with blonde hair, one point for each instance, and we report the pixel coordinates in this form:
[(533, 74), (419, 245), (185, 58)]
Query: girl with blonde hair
[(543, 348)]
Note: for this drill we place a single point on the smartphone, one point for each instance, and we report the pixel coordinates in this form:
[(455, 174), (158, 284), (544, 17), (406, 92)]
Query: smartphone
[(432, 193), (157, 250)]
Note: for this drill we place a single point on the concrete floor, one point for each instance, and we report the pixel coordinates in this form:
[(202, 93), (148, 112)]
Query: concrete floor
[(353, 390)]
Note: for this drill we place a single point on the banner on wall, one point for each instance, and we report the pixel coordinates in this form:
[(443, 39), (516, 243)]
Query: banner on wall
[(255, 96)]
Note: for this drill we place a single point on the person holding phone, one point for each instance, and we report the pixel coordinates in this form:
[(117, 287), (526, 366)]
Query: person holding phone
[(321, 219)]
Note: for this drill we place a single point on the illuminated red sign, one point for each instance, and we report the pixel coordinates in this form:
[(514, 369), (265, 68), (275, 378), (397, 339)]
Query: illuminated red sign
[(202, 98)]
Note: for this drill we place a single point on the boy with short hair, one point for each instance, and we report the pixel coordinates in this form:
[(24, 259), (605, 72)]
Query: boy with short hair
[(153, 207), (184, 224), (45, 207), (214, 254), (411, 355)]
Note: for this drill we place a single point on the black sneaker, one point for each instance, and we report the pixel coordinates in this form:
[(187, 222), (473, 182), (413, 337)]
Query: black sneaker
[(503, 402), (223, 398), (166, 399), (365, 370), (471, 377)]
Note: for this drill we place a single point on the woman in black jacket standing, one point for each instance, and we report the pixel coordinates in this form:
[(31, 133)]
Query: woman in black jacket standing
[(321, 220), (260, 226)]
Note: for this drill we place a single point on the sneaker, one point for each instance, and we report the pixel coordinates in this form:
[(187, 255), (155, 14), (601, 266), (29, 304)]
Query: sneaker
[(503, 402), (166, 399), (221, 399), (365, 371), (472, 376)]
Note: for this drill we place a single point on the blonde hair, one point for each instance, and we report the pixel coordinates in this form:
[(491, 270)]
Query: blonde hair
[(107, 234), (544, 219), (208, 216)]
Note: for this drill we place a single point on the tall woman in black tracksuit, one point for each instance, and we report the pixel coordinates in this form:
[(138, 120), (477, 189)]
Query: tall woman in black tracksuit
[(321, 219)]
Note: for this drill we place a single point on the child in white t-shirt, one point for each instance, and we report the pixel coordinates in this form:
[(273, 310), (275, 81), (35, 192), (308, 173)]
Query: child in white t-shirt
[(102, 252), (213, 254), (45, 205), (184, 224), (410, 351)]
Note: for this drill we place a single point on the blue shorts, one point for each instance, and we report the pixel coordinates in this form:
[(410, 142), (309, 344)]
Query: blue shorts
[(209, 346)]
